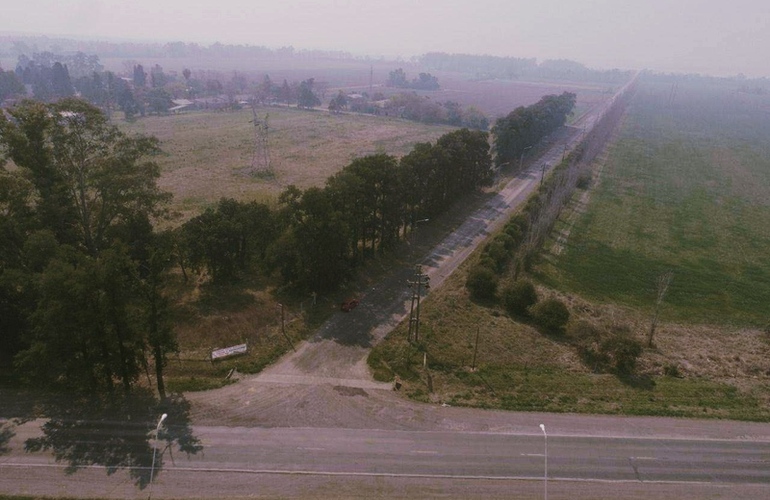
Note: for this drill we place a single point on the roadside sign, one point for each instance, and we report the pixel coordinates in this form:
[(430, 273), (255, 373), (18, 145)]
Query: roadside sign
[(228, 351)]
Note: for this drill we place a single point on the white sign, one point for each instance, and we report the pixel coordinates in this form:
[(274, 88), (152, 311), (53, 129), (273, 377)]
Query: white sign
[(228, 351)]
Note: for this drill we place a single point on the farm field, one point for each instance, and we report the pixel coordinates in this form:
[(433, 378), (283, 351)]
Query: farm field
[(207, 155), (683, 189)]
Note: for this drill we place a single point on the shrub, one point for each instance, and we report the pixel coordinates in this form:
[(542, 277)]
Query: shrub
[(582, 331), (515, 233), (495, 250), (482, 282), (623, 351), (486, 261), (584, 180), (587, 339), (550, 314), (506, 240), (519, 296), (520, 221), (604, 351), (672, 370)]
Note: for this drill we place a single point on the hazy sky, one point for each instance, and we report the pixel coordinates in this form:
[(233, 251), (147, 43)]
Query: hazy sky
[(722, 37)]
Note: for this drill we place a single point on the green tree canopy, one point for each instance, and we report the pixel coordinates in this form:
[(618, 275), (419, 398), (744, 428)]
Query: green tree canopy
[(89, 175), (306, 97)]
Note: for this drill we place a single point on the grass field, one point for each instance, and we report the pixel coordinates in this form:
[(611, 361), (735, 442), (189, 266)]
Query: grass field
[(682, 188), (207, 155), (685, 189)]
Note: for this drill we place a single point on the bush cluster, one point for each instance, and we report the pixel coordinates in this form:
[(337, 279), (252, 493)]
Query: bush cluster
[(604, 351), (551, 315)]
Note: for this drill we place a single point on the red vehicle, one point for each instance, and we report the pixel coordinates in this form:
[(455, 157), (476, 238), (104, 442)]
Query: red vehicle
[(349, 305)]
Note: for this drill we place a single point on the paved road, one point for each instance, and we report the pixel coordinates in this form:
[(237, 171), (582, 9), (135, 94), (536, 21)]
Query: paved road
[(324, 462)]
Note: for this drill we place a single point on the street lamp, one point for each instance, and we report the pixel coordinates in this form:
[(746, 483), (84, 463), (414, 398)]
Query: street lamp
[(521, 158), (545, 476), (154, 450), (414, 230)]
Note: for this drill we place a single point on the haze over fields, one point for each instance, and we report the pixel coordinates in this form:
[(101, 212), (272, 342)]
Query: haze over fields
[(684, 36)]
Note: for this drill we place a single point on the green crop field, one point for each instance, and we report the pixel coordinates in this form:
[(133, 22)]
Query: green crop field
[(686, 188)]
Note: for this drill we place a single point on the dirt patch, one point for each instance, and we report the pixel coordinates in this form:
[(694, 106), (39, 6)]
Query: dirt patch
[(350, 391)]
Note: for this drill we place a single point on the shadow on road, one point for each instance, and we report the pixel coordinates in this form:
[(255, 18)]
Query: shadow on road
[(115, 433), (378, 305)]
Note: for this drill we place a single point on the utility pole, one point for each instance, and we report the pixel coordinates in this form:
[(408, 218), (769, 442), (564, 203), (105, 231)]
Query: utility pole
[(283, 329), (420, 280)]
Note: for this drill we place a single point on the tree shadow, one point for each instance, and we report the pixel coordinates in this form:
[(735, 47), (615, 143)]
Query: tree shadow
[(637, 381), (116, 433), (217, 298), (6, 434), (377, 305)]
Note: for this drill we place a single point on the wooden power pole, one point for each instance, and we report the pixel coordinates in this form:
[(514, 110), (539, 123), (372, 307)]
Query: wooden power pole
[(420, 281)]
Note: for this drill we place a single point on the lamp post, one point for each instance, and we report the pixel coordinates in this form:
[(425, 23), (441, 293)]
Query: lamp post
[(155, 450), (521, 158), (545, 476), (412, 235)]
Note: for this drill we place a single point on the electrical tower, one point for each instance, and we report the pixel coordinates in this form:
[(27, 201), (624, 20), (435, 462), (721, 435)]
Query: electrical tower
[(420, 281), (260, 162)]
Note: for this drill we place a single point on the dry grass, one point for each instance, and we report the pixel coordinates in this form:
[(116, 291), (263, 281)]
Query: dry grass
[(207, 155)]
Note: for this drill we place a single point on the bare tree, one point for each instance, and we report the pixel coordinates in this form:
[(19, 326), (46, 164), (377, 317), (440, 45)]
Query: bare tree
[(664, 280)]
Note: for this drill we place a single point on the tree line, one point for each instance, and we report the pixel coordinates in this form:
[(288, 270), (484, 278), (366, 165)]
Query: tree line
[(16, 45), (411, 106), (499, 275), (425, 81), (316, 238), (524, 127), (144, 90), (513, 68)]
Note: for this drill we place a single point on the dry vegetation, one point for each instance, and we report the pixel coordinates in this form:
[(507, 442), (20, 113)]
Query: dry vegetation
[(207, 155)]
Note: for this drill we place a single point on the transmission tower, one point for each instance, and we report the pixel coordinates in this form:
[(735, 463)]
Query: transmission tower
[(420, 281), (260, 162)]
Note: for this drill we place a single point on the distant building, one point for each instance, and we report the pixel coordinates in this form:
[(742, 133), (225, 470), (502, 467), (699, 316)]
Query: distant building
[(180, 105)]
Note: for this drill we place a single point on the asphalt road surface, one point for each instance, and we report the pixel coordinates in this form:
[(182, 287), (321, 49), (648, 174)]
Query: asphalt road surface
[(331, 463)]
